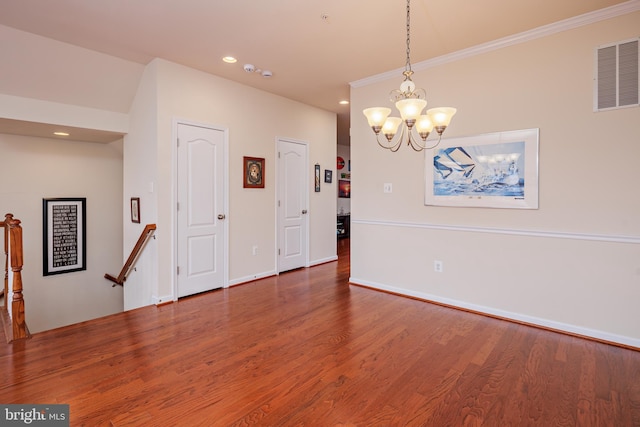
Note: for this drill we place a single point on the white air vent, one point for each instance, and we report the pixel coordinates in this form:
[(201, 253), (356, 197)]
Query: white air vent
[(617, 75)]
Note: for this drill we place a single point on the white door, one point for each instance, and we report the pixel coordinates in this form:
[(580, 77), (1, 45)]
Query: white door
[(292, 205), (201, 209)]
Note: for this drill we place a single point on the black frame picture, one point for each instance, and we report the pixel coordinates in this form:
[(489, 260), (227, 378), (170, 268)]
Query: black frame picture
[(64, 231), (328, 176), (135, 210), (317, 178)]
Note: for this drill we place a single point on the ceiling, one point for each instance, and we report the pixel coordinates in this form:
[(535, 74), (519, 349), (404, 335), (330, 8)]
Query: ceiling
[(313, 48)]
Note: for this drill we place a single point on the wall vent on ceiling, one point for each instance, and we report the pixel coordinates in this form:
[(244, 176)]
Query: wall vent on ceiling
[(617, 75)]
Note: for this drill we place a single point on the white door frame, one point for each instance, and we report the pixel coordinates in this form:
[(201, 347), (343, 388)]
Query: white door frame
[(174, 197), (306, 201)]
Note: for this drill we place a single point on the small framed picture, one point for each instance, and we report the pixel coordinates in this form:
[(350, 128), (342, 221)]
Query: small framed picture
[(253, 172), (344, 189), (317, 178), (328, 175), (135, 210)]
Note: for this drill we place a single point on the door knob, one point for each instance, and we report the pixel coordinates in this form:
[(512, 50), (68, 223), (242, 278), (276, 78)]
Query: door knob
[(304, 212), (221, 216)]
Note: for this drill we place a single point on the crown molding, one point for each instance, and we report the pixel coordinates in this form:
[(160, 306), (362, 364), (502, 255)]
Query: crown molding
[(546, 30)]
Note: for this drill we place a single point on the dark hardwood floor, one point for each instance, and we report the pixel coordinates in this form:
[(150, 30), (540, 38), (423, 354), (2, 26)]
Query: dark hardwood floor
[(307, 349)]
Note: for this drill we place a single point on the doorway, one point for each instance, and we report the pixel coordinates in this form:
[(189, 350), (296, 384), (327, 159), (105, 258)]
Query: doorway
[(293, 215), (201, 209)]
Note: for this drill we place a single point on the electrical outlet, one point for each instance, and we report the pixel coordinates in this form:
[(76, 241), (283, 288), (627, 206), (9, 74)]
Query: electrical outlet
[(437, 266), (254, 250), (387, 188)]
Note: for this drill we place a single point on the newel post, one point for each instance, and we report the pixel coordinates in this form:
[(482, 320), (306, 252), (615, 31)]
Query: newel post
[(5, 290), (19, 325)]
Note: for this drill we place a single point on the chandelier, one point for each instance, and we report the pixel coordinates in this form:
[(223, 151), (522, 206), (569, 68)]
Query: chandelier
[(410, 102)]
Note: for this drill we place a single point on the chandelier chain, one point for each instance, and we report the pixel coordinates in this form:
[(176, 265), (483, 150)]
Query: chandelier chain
[(412, 126), (408, 64)]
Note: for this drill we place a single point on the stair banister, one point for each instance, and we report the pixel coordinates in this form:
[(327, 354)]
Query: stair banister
[(148, 231)]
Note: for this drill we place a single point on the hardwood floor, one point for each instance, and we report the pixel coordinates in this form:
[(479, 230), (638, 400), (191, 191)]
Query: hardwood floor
[(307, 349)]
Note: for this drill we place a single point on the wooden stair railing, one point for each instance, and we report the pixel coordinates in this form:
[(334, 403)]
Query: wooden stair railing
[(148, 231), (12, 312)]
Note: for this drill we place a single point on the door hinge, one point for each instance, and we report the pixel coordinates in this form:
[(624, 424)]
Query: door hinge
[(178, 270), (177, 206), (278, 203), (178, 142), (278, 154), (278, 252)]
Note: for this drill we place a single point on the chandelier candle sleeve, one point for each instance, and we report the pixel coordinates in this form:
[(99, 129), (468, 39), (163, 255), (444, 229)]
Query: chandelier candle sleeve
[(410, 102), (390, 127), (441, 117), (376, 117)]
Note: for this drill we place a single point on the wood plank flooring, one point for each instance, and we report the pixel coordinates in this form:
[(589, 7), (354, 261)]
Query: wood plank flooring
[(307, 349)]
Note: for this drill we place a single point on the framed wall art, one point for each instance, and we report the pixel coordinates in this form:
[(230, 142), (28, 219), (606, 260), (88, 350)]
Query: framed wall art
[(64, 235), (253, 168), (328, 176), (317, 178), (344, 189), (135, 210), (494, 170)]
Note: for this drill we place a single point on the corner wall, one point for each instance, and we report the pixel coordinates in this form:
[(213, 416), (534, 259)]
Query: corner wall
[(574, 263)]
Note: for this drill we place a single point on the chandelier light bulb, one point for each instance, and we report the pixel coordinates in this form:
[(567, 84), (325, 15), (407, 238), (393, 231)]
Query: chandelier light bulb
[(390, 127), (376, 117), (441, 117), (410, 109), (424, 126)]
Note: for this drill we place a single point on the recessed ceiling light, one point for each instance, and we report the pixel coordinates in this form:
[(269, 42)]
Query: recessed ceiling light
[(229, 59), (61, 133), (344, 102)]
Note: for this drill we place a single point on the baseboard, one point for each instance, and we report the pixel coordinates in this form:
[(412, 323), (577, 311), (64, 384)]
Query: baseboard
[(593, 334), (251, 278), (167, 299), (323, 260)]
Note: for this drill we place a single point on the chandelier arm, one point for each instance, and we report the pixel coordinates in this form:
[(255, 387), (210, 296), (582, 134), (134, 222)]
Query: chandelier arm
[(414, 142), (434, 145), (400, 137), (388, 145)]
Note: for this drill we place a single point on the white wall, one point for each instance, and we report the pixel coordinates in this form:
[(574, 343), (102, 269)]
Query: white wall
[(36, 67), (141, 180), (37, 168), (254, 119), (574, 263)]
